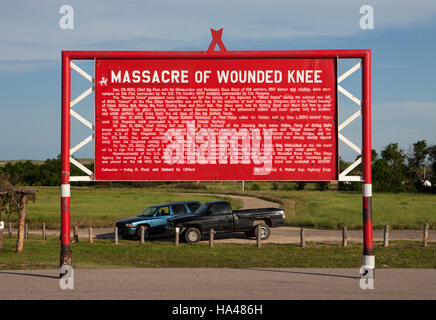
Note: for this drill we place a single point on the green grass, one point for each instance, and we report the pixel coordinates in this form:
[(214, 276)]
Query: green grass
[(333, 209), (130, 254), (100, 207)]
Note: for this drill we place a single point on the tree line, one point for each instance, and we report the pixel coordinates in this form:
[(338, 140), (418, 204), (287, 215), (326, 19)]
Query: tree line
[(30, 173), (394, 170)]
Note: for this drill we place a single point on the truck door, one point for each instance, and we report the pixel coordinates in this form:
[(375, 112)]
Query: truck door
[(158, 224), (222, 217), (241, 222)]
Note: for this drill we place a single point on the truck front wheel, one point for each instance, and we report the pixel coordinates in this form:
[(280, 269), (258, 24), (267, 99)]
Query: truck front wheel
[(192, 235), (146, 233)]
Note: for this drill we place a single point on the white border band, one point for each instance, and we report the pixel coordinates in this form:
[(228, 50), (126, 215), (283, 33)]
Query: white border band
[(65, 190), (367, 190), (369, 262)]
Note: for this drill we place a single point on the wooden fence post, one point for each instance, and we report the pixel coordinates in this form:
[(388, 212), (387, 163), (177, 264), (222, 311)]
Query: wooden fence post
[(258, 236), (21, 225), (211, 234), (91, 237), (344, 236), (10, 230), (26, 231), (176, 236), (116, 235), (142, 234), (44, 237), (302, 243), (76, 233), (425, 236), (386, 236)]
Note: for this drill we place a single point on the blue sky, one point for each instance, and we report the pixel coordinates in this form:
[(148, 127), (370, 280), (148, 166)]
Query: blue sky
[(402, 43)]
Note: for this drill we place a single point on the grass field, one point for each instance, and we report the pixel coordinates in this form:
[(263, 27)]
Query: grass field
[(100, 207), (333, 209), (130, 254)]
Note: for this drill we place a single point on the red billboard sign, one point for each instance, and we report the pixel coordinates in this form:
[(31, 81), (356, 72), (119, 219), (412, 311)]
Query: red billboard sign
[(216, 119)]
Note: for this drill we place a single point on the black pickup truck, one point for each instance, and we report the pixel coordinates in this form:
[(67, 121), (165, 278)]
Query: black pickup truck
[(218, 215)]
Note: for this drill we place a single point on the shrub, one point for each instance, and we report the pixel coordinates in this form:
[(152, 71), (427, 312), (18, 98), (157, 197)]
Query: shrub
[(322, 186), (350, 186), (190, 185), (254, 187), (300, 185), (287, 187)]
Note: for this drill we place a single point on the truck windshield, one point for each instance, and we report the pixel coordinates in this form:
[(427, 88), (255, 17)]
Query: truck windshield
[(148, 212)]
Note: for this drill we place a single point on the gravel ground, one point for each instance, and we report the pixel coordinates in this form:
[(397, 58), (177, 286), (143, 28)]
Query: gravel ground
[(211, 283)]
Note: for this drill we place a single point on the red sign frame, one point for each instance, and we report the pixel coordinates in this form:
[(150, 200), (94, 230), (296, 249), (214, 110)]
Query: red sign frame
[(364, 55)]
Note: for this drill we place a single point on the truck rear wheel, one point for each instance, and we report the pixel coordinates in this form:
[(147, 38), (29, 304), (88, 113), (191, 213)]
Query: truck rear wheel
[(192, 235), (265, 231)]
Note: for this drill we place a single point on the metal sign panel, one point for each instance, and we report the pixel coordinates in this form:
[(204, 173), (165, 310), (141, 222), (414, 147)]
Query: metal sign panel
[(216, 119)]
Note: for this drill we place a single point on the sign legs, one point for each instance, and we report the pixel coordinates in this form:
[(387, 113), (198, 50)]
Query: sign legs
[(65, 256), (368, 248)]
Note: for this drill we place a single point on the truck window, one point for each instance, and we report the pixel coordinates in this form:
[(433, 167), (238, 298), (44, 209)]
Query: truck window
[(214, 209), (179, 209), (218, 208), (149, 212), (224, 207), (193, 206), (163, 211)]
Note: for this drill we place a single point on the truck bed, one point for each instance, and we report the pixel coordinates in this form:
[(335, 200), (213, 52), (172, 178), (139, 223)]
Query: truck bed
[(260, 210)]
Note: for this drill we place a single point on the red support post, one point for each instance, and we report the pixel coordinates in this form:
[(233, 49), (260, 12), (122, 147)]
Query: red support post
[(368, 248), (65, 257)]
